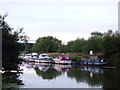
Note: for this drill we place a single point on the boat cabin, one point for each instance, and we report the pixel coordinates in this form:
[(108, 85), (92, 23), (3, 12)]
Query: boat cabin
[(93, 61), (44, 56), (63, 60)]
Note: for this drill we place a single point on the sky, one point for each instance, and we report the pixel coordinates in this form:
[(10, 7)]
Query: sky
[(64, 19)]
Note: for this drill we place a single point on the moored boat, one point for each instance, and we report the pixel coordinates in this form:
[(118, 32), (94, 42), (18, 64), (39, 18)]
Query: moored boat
[(27, 57), (30, 57), (34, 55), (63, 60), (92, 61), (44, 58)]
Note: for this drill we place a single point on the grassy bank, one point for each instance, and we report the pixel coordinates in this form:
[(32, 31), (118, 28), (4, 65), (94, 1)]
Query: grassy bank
[(74, 56)]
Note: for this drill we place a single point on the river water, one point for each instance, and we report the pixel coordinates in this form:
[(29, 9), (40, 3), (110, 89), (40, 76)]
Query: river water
[(46, 75)]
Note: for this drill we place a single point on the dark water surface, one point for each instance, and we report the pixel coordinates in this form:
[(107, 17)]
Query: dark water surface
[(46, 75)]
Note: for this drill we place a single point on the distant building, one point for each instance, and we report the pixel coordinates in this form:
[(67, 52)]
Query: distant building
[(32, 41), (29, 41)]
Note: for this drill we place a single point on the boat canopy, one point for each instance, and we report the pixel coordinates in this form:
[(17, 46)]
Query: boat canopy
[(65, 58), (28, 55)]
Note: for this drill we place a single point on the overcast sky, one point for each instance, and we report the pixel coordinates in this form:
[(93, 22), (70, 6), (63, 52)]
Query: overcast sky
[(63, 19)]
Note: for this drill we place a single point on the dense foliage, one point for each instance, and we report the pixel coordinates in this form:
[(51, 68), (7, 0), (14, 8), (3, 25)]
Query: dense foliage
[(28, 47), (10, 47), (112, 48), (46, 45), (94, 43)]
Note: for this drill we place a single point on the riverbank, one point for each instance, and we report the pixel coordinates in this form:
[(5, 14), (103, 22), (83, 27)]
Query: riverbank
[(75, 56), (112, 62)]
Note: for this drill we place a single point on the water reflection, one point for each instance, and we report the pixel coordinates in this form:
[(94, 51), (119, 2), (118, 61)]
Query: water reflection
[(111, 78), (92, 76), (86, 74), (96, 76), (11, 80), (95, 70), (46, 75), (62, 68), (47, 71)]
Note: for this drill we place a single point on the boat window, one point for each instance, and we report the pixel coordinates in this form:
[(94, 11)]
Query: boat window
[(97, 60), (44, 55), (28, 55), (66, 57)]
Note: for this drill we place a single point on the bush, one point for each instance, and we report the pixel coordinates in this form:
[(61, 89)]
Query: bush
[(115, 60), (75, 58)]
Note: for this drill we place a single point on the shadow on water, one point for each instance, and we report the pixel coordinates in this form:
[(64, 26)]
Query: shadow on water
[(11, 80), (92, 76), (47, 72), (95, 76)]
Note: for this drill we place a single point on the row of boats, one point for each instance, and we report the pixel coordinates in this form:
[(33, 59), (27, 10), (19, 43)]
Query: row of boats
[(44, 58)]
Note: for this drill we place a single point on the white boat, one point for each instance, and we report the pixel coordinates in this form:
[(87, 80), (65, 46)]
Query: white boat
[(27, 57), (30, 57), (44, 58), (34, 55), (63, 60)]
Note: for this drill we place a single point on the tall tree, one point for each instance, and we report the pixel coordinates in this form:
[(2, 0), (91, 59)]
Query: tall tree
[(46, 45), (10, 46), (61, 48), (112, 47), (77, 45), (95, 44)]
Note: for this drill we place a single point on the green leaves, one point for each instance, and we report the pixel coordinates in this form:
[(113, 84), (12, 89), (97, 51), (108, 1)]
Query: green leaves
[(46, 45), (10, 46)]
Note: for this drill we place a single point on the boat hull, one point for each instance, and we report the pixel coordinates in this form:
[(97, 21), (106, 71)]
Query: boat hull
[(58, 61), (44, 60), (89, 61)]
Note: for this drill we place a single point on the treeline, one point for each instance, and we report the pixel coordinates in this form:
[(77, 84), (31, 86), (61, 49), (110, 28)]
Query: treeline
[(107, 43), (98, 42)]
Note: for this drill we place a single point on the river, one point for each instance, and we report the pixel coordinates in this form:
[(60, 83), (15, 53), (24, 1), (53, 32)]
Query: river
[(46, 75)]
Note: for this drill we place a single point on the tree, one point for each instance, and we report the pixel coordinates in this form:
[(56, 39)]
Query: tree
[(96, 34), (85, 47), (95, 44), (112, 47), (77, 45), (27, 46), (69, 46), (10, 46), (61, 48), (111, 43), (46, 45)]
